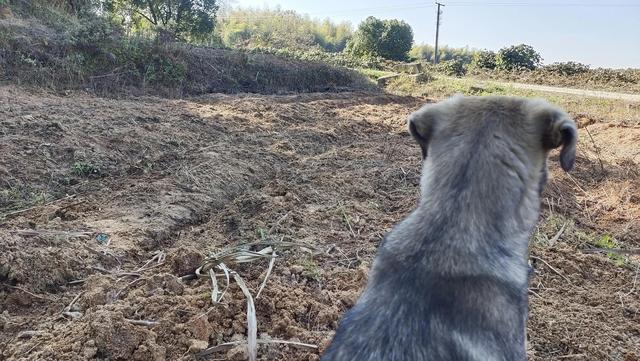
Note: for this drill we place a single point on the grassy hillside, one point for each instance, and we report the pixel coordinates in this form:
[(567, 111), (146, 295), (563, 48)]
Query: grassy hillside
[(46, 47)]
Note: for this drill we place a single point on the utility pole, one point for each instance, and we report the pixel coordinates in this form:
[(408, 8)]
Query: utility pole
[(435, 56)]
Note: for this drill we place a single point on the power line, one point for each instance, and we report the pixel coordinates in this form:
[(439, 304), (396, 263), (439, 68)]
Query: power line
[(368, 10), (537, 4), (423, 5)]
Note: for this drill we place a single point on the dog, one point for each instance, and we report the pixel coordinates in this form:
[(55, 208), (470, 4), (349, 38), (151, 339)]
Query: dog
[(449, 282)]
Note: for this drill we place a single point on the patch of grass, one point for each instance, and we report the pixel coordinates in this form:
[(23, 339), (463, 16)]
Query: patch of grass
[(316, 55), (443, 87), (374, 74), (311, 269), (608, 242), (20, 197), (569, 75), (85, 169)]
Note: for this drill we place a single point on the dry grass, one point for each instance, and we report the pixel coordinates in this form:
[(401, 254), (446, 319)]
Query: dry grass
[(588, 109), (234, 256)]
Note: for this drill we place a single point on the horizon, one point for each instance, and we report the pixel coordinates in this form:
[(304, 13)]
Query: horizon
[(594, 33)]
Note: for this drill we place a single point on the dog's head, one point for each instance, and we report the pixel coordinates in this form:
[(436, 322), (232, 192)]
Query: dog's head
[(487, 127), (478, 141)]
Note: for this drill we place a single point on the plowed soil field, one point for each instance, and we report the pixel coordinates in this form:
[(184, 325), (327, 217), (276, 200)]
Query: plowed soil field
[(106, 204)]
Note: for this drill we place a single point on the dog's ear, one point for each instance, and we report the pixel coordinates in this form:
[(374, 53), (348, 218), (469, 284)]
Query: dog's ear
[(559, 130), (421, 125)]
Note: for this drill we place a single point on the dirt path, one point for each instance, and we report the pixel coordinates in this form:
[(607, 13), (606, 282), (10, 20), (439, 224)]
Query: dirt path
[(572, 91), (105, 204)]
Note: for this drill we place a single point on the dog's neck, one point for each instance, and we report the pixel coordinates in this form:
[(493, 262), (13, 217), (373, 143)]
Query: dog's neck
[(465, 225)]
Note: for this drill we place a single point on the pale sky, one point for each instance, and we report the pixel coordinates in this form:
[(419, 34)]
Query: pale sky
[(599, 33)]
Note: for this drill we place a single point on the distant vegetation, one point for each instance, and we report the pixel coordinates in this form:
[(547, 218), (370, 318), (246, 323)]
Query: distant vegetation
[(115, 48), (279, 29), (518, 57), (191, 46), (389, 39), (426, 52)]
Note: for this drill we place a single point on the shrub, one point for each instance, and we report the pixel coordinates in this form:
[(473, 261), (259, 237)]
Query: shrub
[(426, 52), (452, 67), (518, 57), (317, 55), (389, 39), (92, 35), (484, 59), (567, 68)]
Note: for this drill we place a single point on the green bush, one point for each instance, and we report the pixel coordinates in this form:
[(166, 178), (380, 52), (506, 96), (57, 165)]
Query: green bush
[(426, 52), (566, 69), (93, 35), (484, 59), (452, 67), (518, 57), (389, 39), (337, 59)]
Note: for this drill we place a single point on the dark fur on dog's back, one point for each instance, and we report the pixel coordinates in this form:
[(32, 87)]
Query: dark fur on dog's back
[(450, 281)]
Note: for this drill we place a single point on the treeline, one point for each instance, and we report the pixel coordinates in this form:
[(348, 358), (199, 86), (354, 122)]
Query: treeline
[(287, 30), (215, 23), (282, 29), (426, 52)]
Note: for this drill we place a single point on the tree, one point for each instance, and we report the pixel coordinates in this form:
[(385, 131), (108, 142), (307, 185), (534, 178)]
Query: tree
[(191, 18), (484, 59), (390, 39), (366, 39), (518, 57)]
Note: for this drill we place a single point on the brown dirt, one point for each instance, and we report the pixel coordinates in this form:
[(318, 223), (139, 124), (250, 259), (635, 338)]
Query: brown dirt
[(188, 177)]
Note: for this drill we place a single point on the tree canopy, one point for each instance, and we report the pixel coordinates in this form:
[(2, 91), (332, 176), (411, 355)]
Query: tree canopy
[(185, 18), (390, 39), (518, 57)]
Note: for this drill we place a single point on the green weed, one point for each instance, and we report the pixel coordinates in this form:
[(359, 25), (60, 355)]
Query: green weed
[(311, 269), (85, 169), (608, 242)]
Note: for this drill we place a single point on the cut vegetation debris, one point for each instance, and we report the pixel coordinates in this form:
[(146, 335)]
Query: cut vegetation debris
[(235, 256)]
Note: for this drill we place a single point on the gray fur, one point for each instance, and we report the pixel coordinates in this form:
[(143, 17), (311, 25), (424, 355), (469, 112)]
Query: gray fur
[(449, 282)]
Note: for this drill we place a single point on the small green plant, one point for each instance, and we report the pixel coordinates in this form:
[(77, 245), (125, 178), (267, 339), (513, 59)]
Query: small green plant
[(552, 229), (608, 242), (311, 269), (26, 59), (261, 233), (85, 169)]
